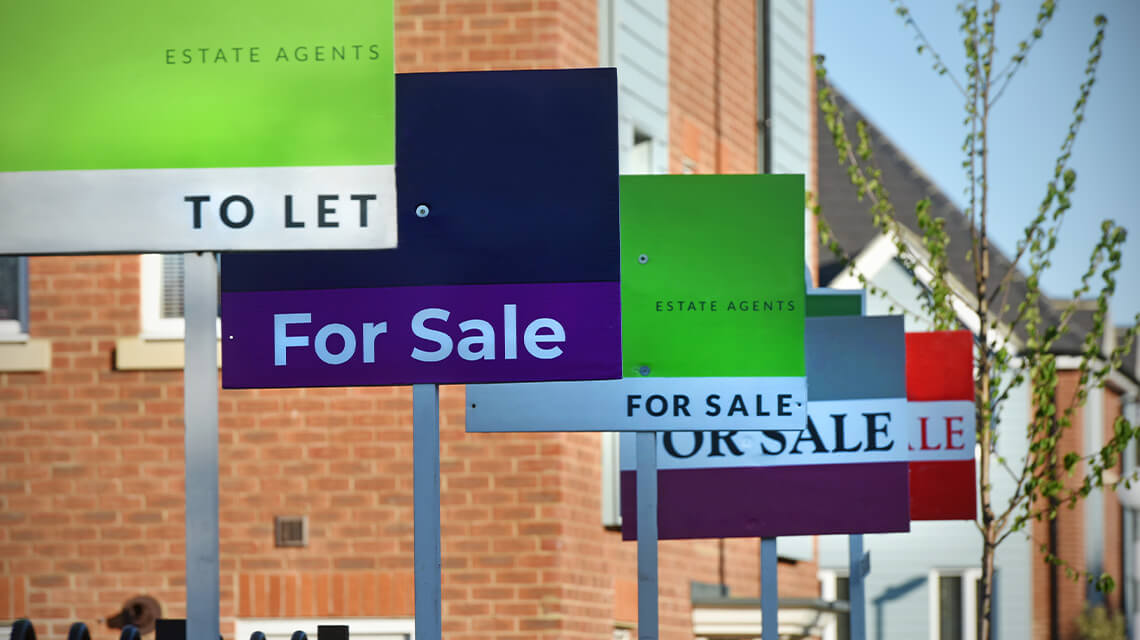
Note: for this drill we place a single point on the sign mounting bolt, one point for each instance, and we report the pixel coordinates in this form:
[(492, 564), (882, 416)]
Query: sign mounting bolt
[(643, 370), (422, 211), (643, 258)]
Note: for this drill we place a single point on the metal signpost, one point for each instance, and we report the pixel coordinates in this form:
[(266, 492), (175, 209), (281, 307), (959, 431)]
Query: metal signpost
[(815, 461), (712, 329), (940, 391), (841, 470), (507, 268), (122, 134), (840, 302)]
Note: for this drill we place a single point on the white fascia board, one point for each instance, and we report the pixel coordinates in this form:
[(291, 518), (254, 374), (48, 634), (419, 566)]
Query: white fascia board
[(1115, 378), (882, 250)]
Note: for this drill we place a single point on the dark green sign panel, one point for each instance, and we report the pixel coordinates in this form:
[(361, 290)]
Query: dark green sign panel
[(713, 275), (822, 303)]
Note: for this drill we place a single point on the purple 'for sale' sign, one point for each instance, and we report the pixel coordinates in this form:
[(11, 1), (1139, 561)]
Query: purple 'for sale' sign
[(507, 267), (407, 335)]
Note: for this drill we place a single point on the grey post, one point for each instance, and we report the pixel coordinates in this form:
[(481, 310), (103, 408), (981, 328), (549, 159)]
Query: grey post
[(856, 592), (200, 400), (647, 536), (425, 469), (769, 590)]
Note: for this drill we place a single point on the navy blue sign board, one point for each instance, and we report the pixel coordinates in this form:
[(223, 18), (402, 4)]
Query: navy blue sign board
[(507, 264), (507, 267)]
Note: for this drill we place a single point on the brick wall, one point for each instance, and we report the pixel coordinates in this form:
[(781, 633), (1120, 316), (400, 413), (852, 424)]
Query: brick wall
[(712, 86), (91, 458), (1071, 534)]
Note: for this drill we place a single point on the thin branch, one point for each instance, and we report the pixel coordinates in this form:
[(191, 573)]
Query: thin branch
[(924, 44), (1064, 180), (1005, 76)]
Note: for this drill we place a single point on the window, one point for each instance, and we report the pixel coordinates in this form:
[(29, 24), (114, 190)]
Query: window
[(611, 480), (159, 345), (835, 586), (13, 297), (954, 604), (639, 159), (162, 287)]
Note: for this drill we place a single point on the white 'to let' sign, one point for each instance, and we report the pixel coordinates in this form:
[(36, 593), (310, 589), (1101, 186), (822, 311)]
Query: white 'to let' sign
[(178, 210)]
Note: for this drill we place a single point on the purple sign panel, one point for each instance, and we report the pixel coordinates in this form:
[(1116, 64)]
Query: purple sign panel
[(772, 501), (508, 260), (845, 470), (421, 334)]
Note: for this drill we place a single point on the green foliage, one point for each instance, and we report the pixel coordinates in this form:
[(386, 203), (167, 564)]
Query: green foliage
[(1015, 345), (1098, 623)]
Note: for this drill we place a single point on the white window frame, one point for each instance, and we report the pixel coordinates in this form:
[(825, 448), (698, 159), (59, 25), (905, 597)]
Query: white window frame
[(611, 480), (970, 579), (358, 628), (154, 326), (828, 591), (17, 330)]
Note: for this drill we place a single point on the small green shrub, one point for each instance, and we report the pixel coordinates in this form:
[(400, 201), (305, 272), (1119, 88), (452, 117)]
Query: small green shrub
[(1098, 623)]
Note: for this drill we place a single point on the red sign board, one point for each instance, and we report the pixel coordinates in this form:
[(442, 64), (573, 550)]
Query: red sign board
[(940, 395)]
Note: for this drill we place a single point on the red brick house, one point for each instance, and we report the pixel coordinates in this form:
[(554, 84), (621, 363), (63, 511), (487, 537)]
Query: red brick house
[(91, 432)]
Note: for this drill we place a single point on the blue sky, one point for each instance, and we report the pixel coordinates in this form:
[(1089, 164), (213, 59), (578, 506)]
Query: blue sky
[(871, 57)]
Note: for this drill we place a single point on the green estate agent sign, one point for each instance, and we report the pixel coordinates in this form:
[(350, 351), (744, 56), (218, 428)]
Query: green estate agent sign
[(729, 302), (713, 302), (196, 125)]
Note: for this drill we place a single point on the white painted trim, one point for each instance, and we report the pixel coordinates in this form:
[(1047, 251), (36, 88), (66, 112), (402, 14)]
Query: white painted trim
[(970, 578), (359, 628), (1115, 378), (728, 621), (611, 480), (154, 326), (969, 596), (870, 260), (933, 614), (10, 331), (828, 591), (882, 250)]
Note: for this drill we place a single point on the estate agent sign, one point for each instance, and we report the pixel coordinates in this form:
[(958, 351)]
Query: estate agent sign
[(507, 268), (165, 127), (712, 305), (842, 470), (940, 387)]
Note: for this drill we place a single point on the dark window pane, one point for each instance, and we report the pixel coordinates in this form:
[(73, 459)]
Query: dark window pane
[(173, 285), (950, 608), (9, 288), (173, 276), (978, 599), (843, 620)]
